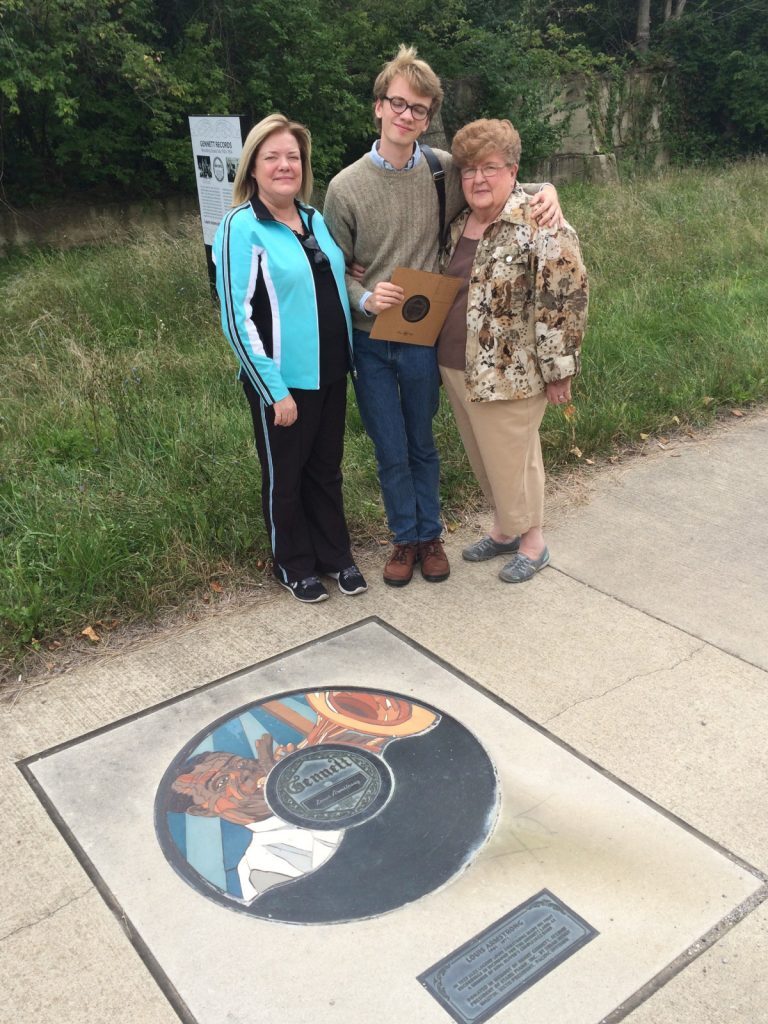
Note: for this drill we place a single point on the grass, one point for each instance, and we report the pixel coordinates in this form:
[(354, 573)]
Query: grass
[(679, 302), (127, 471)]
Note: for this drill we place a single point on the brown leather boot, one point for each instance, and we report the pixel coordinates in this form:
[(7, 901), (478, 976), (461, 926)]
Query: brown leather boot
[(434, 561), (399, 568)]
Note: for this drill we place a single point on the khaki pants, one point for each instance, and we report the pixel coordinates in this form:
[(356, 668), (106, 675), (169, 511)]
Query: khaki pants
[(502, 443)]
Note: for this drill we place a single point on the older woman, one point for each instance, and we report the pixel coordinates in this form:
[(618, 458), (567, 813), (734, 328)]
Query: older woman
[(511, 341), (284, 310)]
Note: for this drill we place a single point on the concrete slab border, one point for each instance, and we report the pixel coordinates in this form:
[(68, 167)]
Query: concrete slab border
[(732, 918)]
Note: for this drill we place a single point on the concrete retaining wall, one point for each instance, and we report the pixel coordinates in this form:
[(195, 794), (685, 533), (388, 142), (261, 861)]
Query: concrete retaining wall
[(66, 225), (605, 119)]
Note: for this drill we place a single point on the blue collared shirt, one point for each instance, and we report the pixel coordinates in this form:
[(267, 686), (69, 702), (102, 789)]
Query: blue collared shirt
[(379, 160)]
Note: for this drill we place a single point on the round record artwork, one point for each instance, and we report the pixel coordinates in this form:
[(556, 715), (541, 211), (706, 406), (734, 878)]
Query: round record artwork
[(415, 308), (326, 805)]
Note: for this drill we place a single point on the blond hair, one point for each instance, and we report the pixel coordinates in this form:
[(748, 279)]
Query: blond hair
[(417, 73), (245, 185), (479, 139)]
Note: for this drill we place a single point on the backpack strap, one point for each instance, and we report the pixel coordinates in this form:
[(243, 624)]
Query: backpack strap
[(438, 176)]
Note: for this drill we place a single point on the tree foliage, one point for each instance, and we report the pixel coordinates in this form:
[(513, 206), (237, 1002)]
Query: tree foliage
[(94, 94), (719, 100)]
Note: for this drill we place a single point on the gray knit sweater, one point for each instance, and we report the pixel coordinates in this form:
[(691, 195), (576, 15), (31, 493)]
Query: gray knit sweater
[(384, 219)]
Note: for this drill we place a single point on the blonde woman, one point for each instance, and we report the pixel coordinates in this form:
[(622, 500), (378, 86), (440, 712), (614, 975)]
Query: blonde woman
[(284, 310)]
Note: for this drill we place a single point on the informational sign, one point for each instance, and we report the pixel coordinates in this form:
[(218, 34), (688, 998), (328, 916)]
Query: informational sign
[(216, 146)]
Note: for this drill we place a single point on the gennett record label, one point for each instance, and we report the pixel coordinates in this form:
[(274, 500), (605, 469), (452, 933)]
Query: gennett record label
[(328, 787)]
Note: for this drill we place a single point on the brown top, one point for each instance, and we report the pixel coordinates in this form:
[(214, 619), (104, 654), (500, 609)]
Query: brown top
[(452, 342)]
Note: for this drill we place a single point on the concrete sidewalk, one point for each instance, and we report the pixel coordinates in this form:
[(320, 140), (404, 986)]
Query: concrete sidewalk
[(644, 647)]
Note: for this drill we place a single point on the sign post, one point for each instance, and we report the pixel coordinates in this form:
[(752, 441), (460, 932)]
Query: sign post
[(217, 143)]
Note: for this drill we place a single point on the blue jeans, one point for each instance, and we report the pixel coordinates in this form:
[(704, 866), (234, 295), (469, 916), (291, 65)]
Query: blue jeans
[(398, 392)]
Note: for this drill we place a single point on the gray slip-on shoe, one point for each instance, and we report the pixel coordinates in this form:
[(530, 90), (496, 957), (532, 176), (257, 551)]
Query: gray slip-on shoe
[(487, 548), (522, 568)]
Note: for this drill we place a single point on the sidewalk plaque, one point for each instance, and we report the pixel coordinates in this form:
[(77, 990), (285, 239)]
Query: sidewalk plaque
[(423, 808), (489, 971)]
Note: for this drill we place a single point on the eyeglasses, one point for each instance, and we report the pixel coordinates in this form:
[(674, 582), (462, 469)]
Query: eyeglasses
[(399, 105), (319, 258), (487, 170)]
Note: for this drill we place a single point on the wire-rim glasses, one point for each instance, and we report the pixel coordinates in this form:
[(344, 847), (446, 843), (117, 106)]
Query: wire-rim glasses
[(488, 171)]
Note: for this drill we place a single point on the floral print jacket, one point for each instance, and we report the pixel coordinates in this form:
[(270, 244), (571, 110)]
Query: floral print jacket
[(526, 306)]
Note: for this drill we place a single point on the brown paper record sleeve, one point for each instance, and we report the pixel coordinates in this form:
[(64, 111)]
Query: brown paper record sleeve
[(418, 320)]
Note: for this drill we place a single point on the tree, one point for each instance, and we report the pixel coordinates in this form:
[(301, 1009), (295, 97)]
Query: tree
[(95, 93), (718, 104), (643, 34), (91, 90)]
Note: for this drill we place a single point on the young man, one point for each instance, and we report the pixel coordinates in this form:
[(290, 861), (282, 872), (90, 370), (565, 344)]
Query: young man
[(383, 212)]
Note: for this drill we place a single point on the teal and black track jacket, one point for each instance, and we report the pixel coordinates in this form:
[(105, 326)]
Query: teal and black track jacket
[(267, 294)]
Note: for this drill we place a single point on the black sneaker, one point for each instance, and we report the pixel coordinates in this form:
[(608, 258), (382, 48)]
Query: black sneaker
[(309, 591), (350, 580)]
